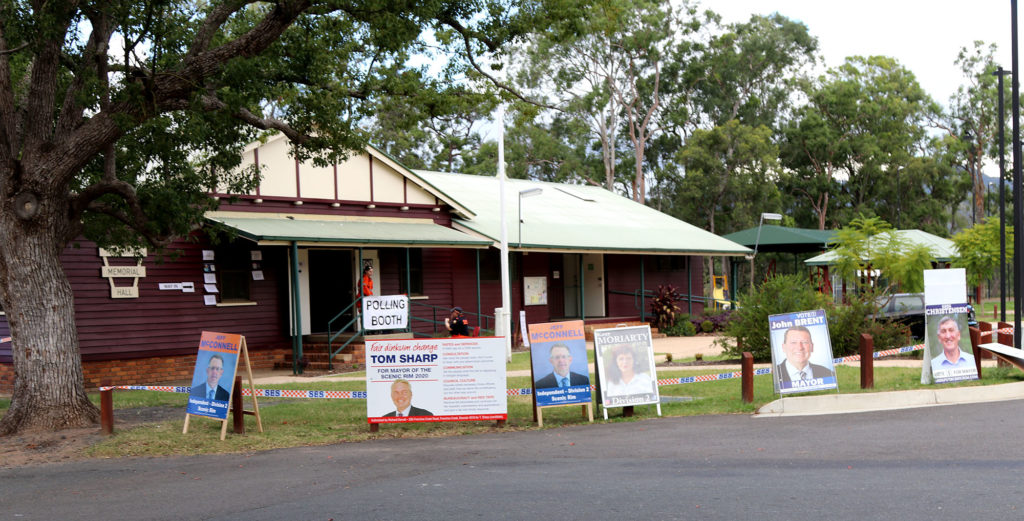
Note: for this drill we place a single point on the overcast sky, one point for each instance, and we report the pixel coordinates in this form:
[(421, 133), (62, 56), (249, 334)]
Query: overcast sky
[(925, 36)]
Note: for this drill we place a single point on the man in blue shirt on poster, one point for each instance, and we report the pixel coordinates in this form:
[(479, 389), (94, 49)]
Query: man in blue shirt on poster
[(952, 357)]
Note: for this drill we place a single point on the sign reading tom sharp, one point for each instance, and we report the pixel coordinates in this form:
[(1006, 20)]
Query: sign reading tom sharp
[(435, 380), (386, 312)]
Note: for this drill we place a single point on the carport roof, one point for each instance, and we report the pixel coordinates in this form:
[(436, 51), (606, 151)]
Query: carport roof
[(784, 239)]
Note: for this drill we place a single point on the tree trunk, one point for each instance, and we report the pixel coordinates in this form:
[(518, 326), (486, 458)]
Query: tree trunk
[(49, 388)]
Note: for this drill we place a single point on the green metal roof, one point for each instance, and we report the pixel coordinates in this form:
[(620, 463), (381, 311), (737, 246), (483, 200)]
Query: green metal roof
[(574, 218), (364, 232), (783, 239), (943, 250)]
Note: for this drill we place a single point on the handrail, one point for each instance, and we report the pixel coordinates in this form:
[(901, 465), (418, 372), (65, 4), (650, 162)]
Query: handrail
[(642, 295), (482, 320), (331, 337)]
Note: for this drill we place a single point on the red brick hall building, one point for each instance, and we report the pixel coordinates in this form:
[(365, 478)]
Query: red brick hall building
[(301, 238)]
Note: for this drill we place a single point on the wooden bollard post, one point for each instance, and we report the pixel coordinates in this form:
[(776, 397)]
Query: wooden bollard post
[(995, 311), (627, 411), (237, 412), (867, 361), (975, 341), (1003, 338), (107, 408), (986, 327), (748, 377)]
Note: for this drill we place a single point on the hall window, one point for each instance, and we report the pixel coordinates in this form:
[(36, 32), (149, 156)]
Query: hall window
[(234, 273)]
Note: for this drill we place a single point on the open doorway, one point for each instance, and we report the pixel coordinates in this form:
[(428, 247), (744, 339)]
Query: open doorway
[(331, 288)]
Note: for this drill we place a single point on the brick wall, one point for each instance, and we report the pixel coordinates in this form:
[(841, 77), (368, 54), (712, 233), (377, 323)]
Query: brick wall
[(147, 371)]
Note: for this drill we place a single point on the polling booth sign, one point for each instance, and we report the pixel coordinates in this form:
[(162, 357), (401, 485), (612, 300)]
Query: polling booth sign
[(386, 312), (436, 379), (801, 352)]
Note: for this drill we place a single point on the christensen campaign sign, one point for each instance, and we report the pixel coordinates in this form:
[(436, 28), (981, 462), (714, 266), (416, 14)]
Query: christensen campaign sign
[(436, 379), (949, 353), (801, 352), (214, 375), (558, 354)]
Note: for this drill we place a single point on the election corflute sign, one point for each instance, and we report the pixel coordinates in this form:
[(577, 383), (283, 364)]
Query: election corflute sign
[(948, 351), (436, 379), (625, 366), (558, 353), (801, 352)]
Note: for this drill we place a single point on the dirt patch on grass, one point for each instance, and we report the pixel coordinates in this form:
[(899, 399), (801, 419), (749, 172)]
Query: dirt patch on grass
[(39, 448)]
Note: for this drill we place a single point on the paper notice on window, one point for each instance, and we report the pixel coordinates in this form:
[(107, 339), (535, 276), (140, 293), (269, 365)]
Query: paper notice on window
[(257, 275), (256, 255)]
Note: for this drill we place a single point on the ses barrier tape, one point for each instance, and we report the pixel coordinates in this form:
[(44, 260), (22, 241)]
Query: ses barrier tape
[(525, 391)]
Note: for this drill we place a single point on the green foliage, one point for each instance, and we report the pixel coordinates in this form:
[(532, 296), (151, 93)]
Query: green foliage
[(707, 326), (663, 306), (978, 249), (846, 322), (870, 243), (682, 327), (780, 294)]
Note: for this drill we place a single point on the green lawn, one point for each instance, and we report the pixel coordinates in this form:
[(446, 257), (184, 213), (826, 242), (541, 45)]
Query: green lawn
[(290, 422)]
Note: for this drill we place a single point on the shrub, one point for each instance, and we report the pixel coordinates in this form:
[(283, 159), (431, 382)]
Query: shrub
[(779, 294), (707, 326), (688, 328), (663, 306)]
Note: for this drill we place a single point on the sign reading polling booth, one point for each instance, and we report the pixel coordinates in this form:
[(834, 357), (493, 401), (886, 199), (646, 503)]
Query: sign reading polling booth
[(387, 312), (214, 375), (436, 379), (558, 354), (801, 352)]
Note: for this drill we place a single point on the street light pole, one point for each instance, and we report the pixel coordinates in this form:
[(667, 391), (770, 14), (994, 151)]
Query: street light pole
[(1002, 197), (764, 216), (1018, 200)]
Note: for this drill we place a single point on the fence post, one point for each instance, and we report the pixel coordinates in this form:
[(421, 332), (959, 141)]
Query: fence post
[(748, 377), (986, 327), (237, 413), (975, 341), (1004, 338), (107, 408), (867, 361)]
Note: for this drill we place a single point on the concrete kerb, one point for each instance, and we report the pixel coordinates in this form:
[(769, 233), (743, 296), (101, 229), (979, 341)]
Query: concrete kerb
[(890, 400)]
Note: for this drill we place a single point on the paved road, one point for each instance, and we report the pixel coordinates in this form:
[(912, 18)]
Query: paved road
[(950, 462)]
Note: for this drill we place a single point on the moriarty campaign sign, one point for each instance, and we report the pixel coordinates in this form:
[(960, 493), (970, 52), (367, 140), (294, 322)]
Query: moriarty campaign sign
[(801, 352), (214, 375), (625, 366)]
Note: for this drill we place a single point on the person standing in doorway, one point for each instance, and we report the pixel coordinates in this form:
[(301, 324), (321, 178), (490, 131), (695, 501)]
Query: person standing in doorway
[(367, 289)]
